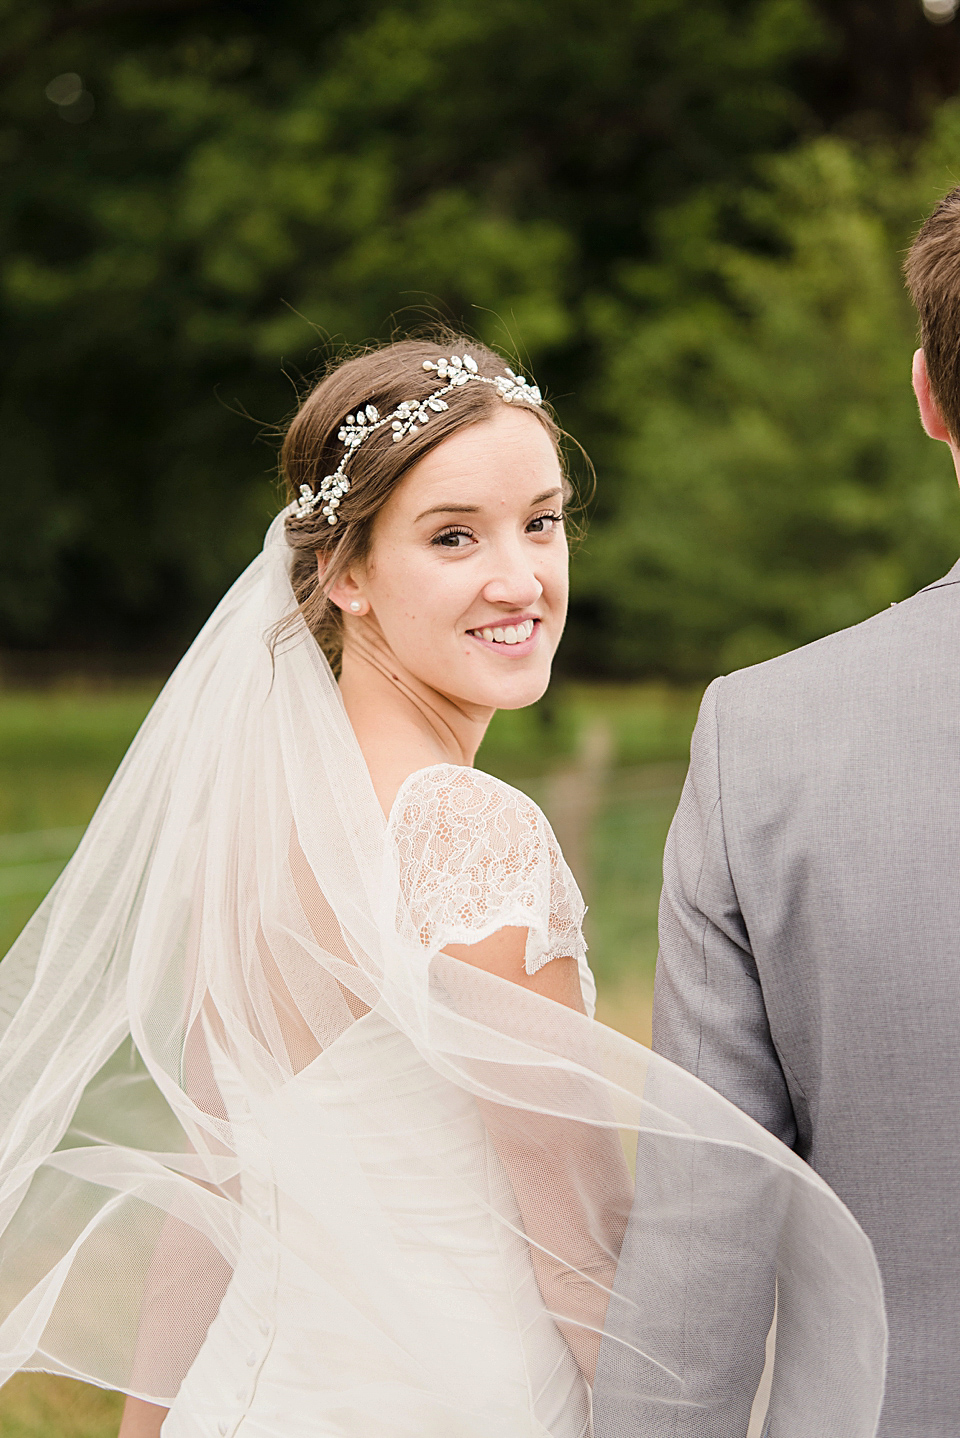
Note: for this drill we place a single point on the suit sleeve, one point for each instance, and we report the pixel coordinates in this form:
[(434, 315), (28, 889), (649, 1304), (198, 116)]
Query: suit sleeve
[(708, 1013), (706, 1226)]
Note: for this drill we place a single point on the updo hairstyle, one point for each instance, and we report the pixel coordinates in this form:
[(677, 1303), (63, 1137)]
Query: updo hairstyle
[(382, 377)]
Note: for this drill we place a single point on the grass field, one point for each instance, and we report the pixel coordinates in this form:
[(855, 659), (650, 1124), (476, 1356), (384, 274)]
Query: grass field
[(605, 763)]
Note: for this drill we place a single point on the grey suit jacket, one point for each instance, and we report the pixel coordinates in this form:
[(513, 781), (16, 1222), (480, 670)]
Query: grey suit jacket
[(810, 948)]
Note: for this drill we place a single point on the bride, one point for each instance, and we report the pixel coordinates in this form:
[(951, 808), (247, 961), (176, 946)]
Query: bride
[(305, 1124)]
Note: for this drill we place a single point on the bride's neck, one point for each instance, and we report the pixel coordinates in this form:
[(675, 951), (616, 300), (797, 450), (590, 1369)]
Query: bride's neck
[(401, 723)]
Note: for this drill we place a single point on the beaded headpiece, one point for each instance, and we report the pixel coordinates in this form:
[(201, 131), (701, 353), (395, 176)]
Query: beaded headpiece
[(406, 419)]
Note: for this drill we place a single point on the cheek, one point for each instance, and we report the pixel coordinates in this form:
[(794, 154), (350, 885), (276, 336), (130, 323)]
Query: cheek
[(555, 578), (417, 603)]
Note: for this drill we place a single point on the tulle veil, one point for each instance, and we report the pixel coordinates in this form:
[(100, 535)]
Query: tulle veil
[(231, 914)]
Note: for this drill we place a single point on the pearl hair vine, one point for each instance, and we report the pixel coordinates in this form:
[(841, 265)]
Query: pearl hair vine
[(406, 419)]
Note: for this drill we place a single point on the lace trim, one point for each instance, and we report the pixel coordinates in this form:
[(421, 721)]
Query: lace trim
[(476, 856)]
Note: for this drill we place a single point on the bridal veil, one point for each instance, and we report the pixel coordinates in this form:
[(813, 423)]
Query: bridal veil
[(236, 908)]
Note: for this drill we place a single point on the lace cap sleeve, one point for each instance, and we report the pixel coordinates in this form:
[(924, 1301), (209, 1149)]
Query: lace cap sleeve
[(476, 856)]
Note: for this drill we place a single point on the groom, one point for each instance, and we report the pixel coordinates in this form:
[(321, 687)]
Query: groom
[(809, 965)]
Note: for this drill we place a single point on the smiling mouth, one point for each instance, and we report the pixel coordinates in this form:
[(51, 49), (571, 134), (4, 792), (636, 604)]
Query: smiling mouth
[(507, 633)]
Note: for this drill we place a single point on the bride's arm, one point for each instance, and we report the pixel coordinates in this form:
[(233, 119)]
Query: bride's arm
[(141, 1420), (570, 1178), (186, 1278), (503, 954)]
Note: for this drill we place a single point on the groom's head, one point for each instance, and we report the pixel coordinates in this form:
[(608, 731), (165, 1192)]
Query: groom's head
[(933, 278)]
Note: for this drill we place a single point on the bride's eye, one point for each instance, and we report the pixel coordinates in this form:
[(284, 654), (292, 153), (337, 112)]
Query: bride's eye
[(451, 538), (544, 523)]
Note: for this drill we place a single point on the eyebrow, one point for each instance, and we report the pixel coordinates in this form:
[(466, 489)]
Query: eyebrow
[(475, 508)]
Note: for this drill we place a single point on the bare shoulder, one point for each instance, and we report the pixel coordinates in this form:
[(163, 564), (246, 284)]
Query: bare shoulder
[(392, 768)]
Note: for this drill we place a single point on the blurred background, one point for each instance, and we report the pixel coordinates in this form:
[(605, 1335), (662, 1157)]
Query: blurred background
[(686, 218)]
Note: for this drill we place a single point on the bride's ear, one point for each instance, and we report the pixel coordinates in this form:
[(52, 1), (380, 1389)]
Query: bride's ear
[(347, 593), (930, 416)]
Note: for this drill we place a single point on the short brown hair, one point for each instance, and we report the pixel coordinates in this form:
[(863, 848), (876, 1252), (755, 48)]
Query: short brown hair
[(932, 269), (382, 377)]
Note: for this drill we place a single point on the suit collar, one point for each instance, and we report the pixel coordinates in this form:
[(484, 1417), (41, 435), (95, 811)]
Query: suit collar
[(951, 577)]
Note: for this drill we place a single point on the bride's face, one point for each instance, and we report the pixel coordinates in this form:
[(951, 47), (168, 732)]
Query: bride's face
[(467, 573)]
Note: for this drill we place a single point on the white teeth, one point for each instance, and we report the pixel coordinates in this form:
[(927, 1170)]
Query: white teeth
[(512, 634)]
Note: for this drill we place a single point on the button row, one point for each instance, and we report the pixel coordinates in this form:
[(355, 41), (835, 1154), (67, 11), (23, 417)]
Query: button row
[(264, 1247)]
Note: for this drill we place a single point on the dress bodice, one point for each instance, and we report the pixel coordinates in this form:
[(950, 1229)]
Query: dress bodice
[(384, 1283)]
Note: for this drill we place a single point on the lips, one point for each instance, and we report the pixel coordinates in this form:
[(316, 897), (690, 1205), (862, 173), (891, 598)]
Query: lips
[(508, 634)]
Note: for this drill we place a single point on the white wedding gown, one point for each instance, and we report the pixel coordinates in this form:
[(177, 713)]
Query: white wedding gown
[(429, 1323), (247, 1099)]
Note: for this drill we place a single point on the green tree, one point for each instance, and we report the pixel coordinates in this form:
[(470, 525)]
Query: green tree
[(768, 480), (227, 179)]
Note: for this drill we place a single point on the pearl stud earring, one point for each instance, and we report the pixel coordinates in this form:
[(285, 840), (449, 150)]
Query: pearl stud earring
[(355, 606)]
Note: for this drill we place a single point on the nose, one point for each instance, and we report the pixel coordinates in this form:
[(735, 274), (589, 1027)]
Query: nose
[(513, 580)]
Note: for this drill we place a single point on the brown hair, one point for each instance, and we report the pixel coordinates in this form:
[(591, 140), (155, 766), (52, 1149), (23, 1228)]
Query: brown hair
[(933, 277), (382, 377)]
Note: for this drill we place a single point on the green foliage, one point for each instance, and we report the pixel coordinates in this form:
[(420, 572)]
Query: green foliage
[(647, 724), (38, 1405), (252, 178), (768, 480), (619, 194), (58, 752), (626, 874)]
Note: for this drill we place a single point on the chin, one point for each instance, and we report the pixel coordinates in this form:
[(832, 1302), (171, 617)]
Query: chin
[(526, 698), (519, 692), (512, 685)]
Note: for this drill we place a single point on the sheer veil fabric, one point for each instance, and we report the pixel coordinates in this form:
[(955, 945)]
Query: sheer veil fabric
[(233, 1056)]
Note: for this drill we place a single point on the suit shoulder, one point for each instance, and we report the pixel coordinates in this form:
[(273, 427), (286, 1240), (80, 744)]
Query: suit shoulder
[(914, 633)]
